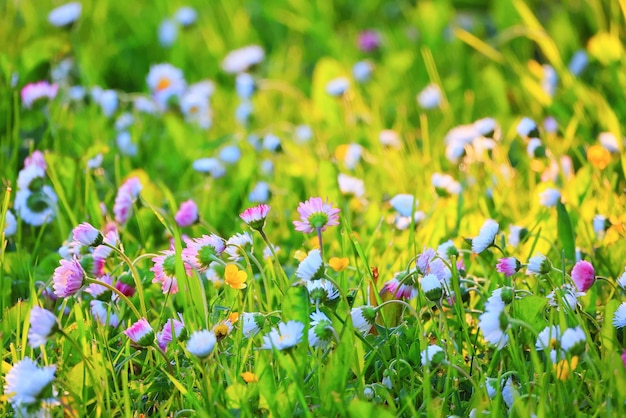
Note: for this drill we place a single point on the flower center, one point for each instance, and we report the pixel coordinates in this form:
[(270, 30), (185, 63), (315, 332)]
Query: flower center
[(163, 84), (169, 266), (318, 220), (37, 202), (206, 255)]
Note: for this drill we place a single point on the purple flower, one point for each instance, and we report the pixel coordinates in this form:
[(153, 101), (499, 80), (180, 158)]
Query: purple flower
[(509, 266), (201, 252), (126, 196), (172, 329), (187, 214), (315, 214), (87, 235), (399, 290), (35, 91), (43, 324), (583, 275), (368, 40), (68, 278)]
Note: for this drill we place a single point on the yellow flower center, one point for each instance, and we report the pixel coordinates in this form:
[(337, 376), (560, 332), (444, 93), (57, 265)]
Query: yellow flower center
[(163, 83), (220, 331)]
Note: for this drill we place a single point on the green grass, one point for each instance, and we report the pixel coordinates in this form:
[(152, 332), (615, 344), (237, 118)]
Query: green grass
[(490, 69)]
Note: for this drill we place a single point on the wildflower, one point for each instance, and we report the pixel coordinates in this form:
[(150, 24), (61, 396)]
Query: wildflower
[(212, 166), (350, 154), (172, 329), (539, 264), (10, 224), (321, 330), (316, 215), (619, 317), (285, 336), (234, 277), (363, 319), (486, 236), (241, 59), (165, 271), (404, 204), (583, 275), (535, 148), (27, 384), (564, 367), (368, 40), (321, 291), (186, 16), (573, 341), (598, 156), (36, 208), (516, 234), (432, 356), (249, 377), (108, 101), (103, 314), (165, 82), (567, 295), (337, 86), (431, 286), (362, 70), (201, 343), (140, 333), (125, 144), (349, 185), (235, 246), (126, 196), (244, 84), (230, 154), (124, 121), (35, 91), (609, 141), (243, 112), (549, 338), (312, 267), (338, 264), (527, 128), (167, 32), (252, 324), (255, 217), (599, 224), (493, 322), (187, 214), (201, 252), (445, 185), (429, 97), (578, 62), (87, 235), (390, 138), (145, 105), (509, 392), (508, 265), (43, 324), (549, 197), (605, 47), (65, 15), (68, 278), (303, 133), (259, 193)]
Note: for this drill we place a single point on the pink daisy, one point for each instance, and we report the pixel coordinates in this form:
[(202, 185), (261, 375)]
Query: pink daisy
[(87, 235), (369, 40), (255, 216), (35, 91), (68, 278), (173, 327), (201, 252), (126, 196), (165, 271), (315, 214), (37, 159), (399, 290), (187, 214), (141, 333), (508, 265), (583, 275)]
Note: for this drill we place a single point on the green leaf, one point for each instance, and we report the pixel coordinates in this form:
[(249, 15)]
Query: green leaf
[(296, 305), (609, 340), (566, 232), (530, 310), (363, 409)]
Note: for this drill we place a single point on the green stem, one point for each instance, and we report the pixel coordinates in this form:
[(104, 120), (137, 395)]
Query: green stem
[(119, 294), (136, 278)]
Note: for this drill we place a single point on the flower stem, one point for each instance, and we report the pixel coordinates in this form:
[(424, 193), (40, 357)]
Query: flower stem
[(119, 294), (136, 278)]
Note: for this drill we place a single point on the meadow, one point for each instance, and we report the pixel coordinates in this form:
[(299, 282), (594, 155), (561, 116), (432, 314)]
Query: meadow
[(310, 208)]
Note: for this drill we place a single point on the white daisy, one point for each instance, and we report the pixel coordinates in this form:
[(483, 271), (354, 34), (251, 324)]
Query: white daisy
[(124, 121), (432, 355), (549, 197), (431, 286), (539, 264), (186, 16), (65, 15), (390, 138), (211, 166), (252, 323), (230, 154), (236, 244), (244, 85), (621, 280), (43, 324), (362, 70), (303, 133), (26, 382), (125, 144), (609, 141), (165, 81), (445, 185), (312, 267), (260, 193), (516, 233), (549, 338), (36, 208), (241, 59), (486, 236), (321, 330), (285, 336), (526, 127), (349, 185), (321, 291), (363, 319), (568, 295), (201, 343), (619, 317), (404, 204), (337, 86), (573, 340), (10, 224), (494, 327), (430, 97), (167, 32)]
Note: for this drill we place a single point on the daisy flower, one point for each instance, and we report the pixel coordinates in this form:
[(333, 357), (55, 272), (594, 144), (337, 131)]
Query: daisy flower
[(43, 324), (252, 324), (103, 314), (186, 16), (236, 246), (285, 336), (36, 208), (26, 383), (400, 290), (187, 214), (172, 329), (549, 338), (539, 264), (10, 224), (164, 270), (404, 204), (390, 138), (573, 341), (516, 234), (34, 91), (527, 128), (315, 214), (486, 236), (312, 267), (494, 325), (549, 197), (508, 266), (167, 32), (567, 295), (165, 81), (621, 280), (140, 333), (201, 252), (619, 317), (321, 330), (68, 278), (242, 59), (126, 196), (583, 275), (337, 86), (260, 193), (65, 15), (362, 70), (445, 185), (201, 343), (429, 97), (255, 216), (431, 286), (211, 166), (363, 319), (87, 235), (321, 291), (432, 356)]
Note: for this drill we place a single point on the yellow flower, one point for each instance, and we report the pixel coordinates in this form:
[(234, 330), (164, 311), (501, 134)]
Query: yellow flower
[(564, 367), (234, 277), (339, 264), (233, 317), (598, 156), (249, 377), (221, 331), (605, 47)]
